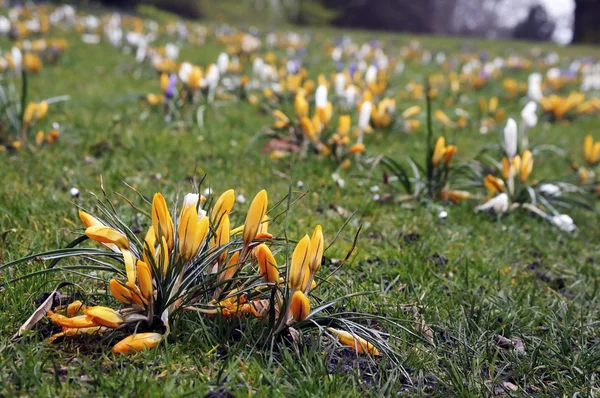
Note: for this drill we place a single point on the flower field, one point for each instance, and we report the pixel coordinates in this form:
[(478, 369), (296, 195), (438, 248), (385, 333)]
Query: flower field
[(200, 209)]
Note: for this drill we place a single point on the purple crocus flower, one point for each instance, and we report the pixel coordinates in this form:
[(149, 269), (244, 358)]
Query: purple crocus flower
[(171, 86)]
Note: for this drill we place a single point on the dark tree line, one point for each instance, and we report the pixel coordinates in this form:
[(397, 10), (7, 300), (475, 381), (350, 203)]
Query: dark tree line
[(587, 21)]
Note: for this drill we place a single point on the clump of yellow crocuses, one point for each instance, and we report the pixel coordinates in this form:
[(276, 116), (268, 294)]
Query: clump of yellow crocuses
[(195, 260)]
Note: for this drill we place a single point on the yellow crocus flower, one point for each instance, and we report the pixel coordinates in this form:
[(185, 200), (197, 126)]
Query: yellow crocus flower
[(526, 165), (144, 277), (438, 151), (300, 263), (344, 123), (281, 120), (137, 342), (222, 206), (357, 148), (191, 232), (162, 221), (411, 112), (256, 213), (300, 306), (108, 235), (267, 264)]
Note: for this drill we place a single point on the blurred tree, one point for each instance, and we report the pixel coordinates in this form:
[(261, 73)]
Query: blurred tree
[(586, 28), (537, 26)]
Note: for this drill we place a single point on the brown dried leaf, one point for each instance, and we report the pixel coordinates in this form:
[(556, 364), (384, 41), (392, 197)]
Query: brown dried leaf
[(280, 144), (40, 312)]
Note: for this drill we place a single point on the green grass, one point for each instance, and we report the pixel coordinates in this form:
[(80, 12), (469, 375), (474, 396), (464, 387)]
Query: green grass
[(470, 277)]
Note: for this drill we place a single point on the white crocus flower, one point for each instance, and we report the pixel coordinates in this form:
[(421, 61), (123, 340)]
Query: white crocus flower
[(336, 54), (4, 25), (191, 199), (321, 96), (529, 114), (340, 84), (550, 190), (184, 71), (510, 138), (371, 74), (564, 222), (498, 204), (212, 80), (534, 87), (350, 95), (223, 62), (171, 51), (363, 118)]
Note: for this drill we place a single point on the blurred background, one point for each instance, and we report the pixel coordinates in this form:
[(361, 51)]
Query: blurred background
[(562, 21)]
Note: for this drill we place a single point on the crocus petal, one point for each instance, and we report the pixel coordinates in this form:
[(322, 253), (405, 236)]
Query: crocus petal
[(256, 213), (300, 262), (267, 263), (300, 306), (137, 342), (357, 343), (104, 316)]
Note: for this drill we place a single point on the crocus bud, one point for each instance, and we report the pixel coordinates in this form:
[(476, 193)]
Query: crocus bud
[(365, 115), (510, 138), (256, 213), (340, 84), (526, 165), (161, 220), (222, 206), (321, 96), (267, 264), (223, 62), (300, 263), (300, 306), (528, 114)]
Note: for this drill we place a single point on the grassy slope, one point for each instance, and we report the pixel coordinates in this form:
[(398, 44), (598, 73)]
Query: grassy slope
[(547, 297)]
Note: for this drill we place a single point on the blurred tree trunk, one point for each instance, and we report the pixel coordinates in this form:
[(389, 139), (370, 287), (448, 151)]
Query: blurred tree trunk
[(587, 21)]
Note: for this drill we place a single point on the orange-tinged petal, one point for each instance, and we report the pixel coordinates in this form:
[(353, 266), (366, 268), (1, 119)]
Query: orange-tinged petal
[(137, 342), (526, 165), (267, 263), (144, 277), (588, 145), (232, 266), (74, 308), (256, 213), (161, 220), (438, 151), (448, 153), (104, 316), (300, 262), (317, 245), (129, 261), (300, 306), (222, 206), (120, 292), (103, 234), (77, 331), (357, 148), (493, 185), (221, 237), (80, 321), (357, 343), (89, 220)]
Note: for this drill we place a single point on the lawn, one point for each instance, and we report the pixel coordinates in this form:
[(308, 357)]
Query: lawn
[(484, 305)]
